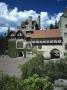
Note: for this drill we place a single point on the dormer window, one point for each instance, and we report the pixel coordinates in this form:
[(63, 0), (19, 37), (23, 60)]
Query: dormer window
[(65, 25), (12, 35), (19, 34)]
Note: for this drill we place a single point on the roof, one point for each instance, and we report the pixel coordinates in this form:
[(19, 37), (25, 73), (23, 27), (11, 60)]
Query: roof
[(11, 32), (53, 33), (19, 31)]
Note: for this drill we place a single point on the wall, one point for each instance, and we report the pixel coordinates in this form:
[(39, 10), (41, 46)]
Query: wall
[(63, 21), (12, 47), (46, 49)]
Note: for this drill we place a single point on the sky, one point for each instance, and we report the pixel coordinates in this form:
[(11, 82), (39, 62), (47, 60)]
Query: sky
[(13, 12)]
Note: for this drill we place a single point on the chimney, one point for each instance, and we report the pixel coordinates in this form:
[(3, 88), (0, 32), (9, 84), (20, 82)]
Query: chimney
[(30, 23), (65, 11), (38, 21)]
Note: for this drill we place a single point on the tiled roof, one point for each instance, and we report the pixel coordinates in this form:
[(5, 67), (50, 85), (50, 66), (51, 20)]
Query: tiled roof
[(53, 33)]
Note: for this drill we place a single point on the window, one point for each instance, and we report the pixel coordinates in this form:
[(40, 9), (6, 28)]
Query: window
[(55, 41), (28, 45), (40, 41), (19, 34), (12, 35), (65, 25), (51, 41), (44, 41), (33, 41), (47, 41), (39, 46), (65, 34), (59, 41), (37, 41), (19, 44), (66, 46)]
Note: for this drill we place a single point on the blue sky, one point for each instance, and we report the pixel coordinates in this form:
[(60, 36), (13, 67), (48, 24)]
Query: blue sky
[(51, 6), (13, 12)]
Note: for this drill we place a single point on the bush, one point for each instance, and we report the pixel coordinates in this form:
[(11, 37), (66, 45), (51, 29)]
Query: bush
[(36, 83), (32, 83), (56, 70), (33, 66), (8, 83)]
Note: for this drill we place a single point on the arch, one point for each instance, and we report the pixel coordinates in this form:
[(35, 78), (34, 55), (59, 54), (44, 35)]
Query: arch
[(20, 54), (55, 53)]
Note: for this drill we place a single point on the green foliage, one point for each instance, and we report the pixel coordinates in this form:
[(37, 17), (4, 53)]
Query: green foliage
[(3, 44), (12, 48), (34, 50), (56, 70), (8, 83), (33, 66), (32, 83), (36, 83)]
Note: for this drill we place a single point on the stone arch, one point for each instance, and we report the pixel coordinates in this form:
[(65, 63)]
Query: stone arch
[(20, 54), (55, 53)]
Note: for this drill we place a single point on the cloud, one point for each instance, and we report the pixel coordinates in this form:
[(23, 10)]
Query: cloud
[(13, 17)]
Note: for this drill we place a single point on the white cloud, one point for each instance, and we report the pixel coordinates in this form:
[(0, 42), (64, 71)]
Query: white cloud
[(14, 17)]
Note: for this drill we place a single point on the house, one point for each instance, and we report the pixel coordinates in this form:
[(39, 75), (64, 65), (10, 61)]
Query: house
[(52, 43)]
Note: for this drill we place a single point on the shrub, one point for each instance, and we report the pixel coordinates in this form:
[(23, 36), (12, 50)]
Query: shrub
[(32, 83), (33, 66), (36, 83), (8, 83), (56, 70)]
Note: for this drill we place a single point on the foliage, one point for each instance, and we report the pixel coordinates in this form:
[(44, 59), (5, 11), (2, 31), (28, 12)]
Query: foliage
[(8, 83), (12, 48), (33, 66), (36, 83), (51, 26), (34, 50), (32, 83), (37, 65), (3, 44), (56, 70)]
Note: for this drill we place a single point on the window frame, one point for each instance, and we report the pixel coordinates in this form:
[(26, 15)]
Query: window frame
[(39, 46)]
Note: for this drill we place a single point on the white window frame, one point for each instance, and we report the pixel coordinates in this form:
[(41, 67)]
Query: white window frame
[(19, 40)]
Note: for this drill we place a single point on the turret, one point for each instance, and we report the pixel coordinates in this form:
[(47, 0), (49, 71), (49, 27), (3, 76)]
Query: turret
[(30, 23), (38, 21)]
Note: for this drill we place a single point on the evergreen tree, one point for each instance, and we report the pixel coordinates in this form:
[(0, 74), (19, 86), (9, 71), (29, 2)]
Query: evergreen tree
[(56, 24), (51, 26)]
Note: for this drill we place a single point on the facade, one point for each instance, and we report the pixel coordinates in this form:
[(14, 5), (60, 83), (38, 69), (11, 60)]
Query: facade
[(63, 28), (29, 37)]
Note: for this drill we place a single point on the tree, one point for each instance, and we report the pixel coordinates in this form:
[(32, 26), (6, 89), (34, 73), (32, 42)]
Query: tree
[(51, 26), (56, 24)]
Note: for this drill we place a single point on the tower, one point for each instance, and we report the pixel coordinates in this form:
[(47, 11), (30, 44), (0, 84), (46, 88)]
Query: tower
[(63, 28), (30, 23), (38, 21)]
